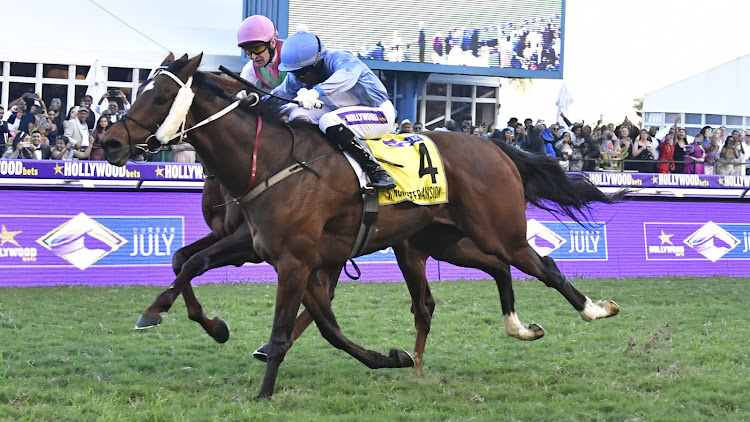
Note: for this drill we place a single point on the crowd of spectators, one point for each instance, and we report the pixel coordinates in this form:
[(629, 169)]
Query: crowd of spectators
[(32, 129), (622, 147)]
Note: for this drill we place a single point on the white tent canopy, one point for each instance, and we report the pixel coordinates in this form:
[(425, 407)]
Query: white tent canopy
[(133, 33), (722, 90)]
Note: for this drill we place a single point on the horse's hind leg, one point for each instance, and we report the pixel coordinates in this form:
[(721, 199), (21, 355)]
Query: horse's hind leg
[(411, 261), (544, 268), (446, 243), (316, 301)]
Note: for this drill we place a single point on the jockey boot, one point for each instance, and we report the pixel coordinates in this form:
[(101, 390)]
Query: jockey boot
[(348, 142)]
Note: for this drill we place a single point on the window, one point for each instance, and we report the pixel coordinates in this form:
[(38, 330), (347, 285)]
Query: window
[(734, 120), (82, 71), (435, 114), (119, 74), (713, 119), (143, 75), (55, 91), (461, 90), (654, 118), (57, 71), (692, 131), (485, 114), (459, 110), (17, 89), (693, 119), (436, 89), (670, 117), (23, 69), (486, 92)]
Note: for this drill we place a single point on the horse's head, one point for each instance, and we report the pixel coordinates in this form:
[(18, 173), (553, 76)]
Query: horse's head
[(157, 113)]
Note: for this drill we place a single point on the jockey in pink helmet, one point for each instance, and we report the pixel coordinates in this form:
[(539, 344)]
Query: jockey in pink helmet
[(257, 36)]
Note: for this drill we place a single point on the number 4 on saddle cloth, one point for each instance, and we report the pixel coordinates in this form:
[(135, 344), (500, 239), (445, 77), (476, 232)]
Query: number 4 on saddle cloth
[(415, 163)]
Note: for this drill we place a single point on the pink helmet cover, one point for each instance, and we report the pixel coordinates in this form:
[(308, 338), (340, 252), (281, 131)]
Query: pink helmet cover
[(256, 28)]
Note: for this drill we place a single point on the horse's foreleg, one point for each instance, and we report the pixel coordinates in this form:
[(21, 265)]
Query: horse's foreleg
[(304, 319), (316, 301), (164, 301), (183, 254), (235, 249), (412, 262), (293, 275)]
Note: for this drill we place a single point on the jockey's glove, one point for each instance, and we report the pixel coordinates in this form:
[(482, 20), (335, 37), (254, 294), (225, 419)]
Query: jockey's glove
[(308, 99), (241, 95)]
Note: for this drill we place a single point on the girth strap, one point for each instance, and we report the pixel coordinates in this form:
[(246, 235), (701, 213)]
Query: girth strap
[(369, 218)]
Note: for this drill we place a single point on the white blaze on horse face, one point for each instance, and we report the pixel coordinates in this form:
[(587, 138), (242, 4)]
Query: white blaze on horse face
[(148, 86)]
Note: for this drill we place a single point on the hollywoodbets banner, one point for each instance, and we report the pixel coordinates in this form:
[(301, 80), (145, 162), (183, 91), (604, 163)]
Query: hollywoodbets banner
[(94, 237), (100, 170), (152, 171)]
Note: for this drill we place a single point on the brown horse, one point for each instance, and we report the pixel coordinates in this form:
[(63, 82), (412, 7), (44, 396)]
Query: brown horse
[(307, 227)]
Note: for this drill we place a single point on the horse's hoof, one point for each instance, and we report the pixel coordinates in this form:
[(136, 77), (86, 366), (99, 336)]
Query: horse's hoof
[(417, 362), (221, 335), (611, 306), (147, 321), (537, 331), (260, 353), (403, 358)]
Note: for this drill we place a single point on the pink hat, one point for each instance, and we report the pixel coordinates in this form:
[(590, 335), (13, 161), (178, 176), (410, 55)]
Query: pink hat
[(256, 28)]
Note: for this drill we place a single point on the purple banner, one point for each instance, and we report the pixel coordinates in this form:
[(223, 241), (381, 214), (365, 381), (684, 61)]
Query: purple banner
[(153, 171), (654, 180), (101, 238), (100, 170)]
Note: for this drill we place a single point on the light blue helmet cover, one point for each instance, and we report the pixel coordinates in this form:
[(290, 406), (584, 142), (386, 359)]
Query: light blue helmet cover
[(300, 50)]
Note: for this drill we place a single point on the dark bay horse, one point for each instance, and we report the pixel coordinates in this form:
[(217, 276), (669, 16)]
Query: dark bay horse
[(306, 226)]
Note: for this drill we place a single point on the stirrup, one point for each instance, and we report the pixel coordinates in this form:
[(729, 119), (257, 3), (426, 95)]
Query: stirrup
[(381, 180)]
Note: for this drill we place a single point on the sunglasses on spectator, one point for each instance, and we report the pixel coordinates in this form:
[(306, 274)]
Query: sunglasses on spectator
[(256, 49)]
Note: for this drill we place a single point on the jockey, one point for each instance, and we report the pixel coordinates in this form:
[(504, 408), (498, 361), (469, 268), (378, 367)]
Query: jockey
[(339, 93), (257, 37)]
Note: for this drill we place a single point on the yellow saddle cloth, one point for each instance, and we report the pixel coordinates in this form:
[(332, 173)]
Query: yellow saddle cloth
[(415, 163)]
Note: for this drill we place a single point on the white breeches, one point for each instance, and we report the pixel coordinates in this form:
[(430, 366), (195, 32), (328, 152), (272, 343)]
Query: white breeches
[(364, 122)]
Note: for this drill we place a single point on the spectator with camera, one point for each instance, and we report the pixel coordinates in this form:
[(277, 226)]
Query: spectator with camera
[(114, 98), (30, 147)]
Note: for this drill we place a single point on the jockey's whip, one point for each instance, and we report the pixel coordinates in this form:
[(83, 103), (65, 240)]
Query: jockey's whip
[(252, 86)]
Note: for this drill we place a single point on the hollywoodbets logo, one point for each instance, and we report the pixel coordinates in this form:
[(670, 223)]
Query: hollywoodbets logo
[(82, 241), (694, 241)]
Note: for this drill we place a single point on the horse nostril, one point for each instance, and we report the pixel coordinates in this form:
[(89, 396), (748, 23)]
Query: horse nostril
[(112, 145)]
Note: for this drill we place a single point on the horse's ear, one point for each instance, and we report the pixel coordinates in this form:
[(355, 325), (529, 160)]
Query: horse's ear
[(184, 57), (167, 60), (193, 64)]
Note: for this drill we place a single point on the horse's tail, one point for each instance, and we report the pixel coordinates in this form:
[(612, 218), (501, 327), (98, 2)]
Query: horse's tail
[(549, 187)]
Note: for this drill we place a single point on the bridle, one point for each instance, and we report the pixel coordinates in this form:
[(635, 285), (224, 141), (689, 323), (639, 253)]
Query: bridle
[(183, 100)]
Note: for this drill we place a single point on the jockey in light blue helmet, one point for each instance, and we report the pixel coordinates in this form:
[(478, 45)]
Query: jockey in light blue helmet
[(336, 91)]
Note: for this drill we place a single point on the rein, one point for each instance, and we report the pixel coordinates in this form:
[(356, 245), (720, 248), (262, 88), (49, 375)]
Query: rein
[(184, 99)]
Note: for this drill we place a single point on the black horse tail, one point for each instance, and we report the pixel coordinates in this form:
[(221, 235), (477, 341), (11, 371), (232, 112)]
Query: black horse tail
[(549, 187)]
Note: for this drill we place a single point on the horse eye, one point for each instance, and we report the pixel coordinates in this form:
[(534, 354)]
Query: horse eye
[(160, 100)]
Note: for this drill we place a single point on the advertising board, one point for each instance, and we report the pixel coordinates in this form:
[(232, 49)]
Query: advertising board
[(51, 237)]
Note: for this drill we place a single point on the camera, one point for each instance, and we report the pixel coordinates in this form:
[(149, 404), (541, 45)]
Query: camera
[(32, 96), (113, 92)]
